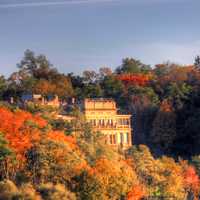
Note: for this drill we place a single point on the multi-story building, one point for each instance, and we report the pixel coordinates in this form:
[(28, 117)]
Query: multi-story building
[(102, 114)]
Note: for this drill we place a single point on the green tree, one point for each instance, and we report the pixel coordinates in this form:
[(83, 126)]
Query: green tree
[(112, 87), (32, 65), (197, 62), (131, 65), (92, 91), (3, 86)]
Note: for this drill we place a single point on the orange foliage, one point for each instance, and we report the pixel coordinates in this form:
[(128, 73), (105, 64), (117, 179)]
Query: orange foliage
[(137, 193), (21, 129), (105, 166), (59, 136), (134, 79)]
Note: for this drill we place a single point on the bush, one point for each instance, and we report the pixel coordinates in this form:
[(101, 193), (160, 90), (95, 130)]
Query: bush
[(49, 191)]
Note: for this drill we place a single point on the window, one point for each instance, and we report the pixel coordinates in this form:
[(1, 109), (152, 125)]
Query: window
[(111, 122), (111, 139), (121, 138), (127, 138), (114, 139)]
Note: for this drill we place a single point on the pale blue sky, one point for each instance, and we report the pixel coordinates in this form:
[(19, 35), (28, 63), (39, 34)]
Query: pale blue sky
[(87, 34)]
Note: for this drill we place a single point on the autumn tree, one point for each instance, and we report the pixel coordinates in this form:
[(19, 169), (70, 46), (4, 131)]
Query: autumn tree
[(20, 129), (37, 74), (44, 87), (137, 193), (191, 180), (56, 159), (144, 164)]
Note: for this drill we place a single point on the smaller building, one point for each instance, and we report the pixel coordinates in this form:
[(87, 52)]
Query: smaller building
[(50, 100)]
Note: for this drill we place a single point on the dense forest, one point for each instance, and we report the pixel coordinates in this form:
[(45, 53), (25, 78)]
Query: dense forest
[(41, 159)]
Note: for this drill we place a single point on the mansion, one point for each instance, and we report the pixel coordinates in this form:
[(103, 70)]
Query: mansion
[(103, 116)]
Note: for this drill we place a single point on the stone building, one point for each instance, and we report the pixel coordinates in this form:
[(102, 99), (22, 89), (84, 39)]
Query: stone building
[(103, 116), (41, 100)]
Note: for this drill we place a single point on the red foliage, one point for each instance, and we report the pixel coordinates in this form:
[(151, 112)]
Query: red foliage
[(134, 79), (21, 129)]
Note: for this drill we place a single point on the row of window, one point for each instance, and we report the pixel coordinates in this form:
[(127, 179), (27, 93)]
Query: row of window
[(109, 122), (102, 122), (124, 138)]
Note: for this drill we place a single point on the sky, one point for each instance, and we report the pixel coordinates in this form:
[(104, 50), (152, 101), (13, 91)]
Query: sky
[(77, 35)]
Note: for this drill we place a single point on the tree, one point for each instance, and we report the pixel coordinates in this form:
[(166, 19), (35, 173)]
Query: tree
[(44, 87), (131, 65), (63, 86), (196, 163), (21, 130), (177, 94), (31, 64), (89, 76), (6, 158), (3, 86), (164, 128), (171, 181), (55, 159), (104, 71), (197, 61), (50, 191), (89, 187), (191, 180), (143, 103), (134, 79), (136, 193), (36, 74), (92, 91), (115, 176), (112, 87), (7, 190)]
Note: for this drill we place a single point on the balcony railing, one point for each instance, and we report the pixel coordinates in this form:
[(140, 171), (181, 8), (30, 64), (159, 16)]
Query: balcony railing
[(111, 126)]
